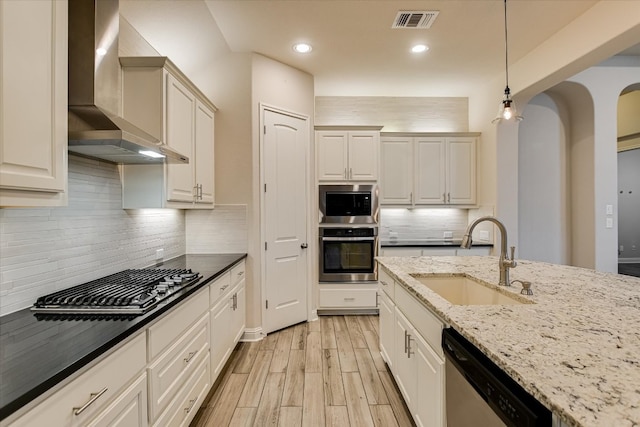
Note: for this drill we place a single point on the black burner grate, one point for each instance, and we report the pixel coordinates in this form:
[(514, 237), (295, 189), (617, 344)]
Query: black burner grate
[(131, 290)]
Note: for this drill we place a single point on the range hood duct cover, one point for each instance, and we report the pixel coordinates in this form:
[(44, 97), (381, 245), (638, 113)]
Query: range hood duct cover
[(95, 91)]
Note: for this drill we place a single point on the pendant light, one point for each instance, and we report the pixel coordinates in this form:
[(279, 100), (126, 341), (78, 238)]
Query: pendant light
[(507, 109)]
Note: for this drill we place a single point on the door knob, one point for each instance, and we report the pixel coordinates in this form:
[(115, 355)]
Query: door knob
[(304, 246)]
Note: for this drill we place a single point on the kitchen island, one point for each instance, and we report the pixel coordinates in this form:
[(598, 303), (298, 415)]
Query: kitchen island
[(576, 348)]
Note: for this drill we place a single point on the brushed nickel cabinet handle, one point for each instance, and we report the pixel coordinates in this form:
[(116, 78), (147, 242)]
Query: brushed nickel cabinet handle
[(191, 403), (409, 351), (92, 398), (190, 356)]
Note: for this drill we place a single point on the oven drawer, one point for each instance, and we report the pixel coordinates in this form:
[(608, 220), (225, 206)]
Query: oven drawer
[(348, 298), (174, 366)]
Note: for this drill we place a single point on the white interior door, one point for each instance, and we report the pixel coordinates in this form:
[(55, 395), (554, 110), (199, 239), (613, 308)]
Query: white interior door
[(285, 220)]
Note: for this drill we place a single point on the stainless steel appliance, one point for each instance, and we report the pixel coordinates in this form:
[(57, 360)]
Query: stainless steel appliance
[(129, 292), (347, 254), (95, 91), (479, 393), (348, 204)]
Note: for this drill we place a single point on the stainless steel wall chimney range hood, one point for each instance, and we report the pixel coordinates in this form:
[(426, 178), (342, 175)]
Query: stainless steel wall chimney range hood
[(95, 91)]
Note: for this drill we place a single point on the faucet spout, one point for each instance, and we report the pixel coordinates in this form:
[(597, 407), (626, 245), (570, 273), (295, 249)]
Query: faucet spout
[(505, 263)]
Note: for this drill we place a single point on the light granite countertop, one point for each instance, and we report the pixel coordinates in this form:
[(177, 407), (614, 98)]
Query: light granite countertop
[(576, 349)]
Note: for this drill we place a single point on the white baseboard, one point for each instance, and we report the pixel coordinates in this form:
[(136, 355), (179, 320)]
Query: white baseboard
[(628, 260), (252, 334)]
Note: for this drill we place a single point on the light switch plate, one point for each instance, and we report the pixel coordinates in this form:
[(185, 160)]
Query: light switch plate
[(609, 209), (609, 222), (483, 235), (448, 234)]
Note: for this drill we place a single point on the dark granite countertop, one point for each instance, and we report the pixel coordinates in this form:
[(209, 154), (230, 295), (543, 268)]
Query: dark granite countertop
[(414, 243), (36, 355)]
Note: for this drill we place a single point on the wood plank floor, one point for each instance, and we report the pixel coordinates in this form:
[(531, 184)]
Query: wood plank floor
[(323, 373)]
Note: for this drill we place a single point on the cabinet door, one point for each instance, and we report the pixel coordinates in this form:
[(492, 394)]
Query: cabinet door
[(221, 334), (387, 309), (239, 313), (396, 177), (461, 171), (204, 153), (332, 155), (180, 136), (128, 410), (363, 156), (33, 109), (429, 385), (405, 367), (430, 187)]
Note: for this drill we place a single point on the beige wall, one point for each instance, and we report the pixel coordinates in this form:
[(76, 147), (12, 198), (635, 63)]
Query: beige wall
[(629, 120)]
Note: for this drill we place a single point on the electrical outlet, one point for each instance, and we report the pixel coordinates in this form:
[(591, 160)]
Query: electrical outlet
[(159, 254), (448, 234), (621, 248), (483, 235), (609, 223)]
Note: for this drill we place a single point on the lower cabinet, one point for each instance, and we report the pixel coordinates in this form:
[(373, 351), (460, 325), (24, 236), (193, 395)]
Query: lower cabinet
[(417, 365), (227, 317), (344, 296), (161, 376)]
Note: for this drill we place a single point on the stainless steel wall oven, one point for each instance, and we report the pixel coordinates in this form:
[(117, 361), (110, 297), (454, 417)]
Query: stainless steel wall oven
[(347, 254), (348, 204)]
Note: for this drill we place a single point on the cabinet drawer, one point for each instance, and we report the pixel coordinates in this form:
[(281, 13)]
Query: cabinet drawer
[(237, 273), (181, 410), (129, 409), (387, 284), (101, 384), (176, 365), (220, 287), (425, 322), (173, 325), (347, 298)]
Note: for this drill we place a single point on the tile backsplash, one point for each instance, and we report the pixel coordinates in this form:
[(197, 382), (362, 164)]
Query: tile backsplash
[(420, 224), (43, 250), (221, 230)]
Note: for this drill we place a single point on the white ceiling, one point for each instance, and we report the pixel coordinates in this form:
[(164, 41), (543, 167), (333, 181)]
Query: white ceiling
[(355, 51)]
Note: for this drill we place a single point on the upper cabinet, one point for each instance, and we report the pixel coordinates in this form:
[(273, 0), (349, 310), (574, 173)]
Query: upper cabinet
[(428, 169), (347, 154), (160, 100), (33, 103)]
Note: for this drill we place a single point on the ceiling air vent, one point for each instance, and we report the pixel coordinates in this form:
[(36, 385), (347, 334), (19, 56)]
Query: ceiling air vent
[(415, 19)]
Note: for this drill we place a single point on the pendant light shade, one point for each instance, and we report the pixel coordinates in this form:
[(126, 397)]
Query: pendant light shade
[(507, 109)]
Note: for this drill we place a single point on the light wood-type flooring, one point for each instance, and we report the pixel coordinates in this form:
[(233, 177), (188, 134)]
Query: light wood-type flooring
[(323, 373)]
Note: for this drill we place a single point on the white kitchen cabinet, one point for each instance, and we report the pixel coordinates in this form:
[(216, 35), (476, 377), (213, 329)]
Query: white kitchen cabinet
[(228, 300), (33, 108), (422, 170), (410, 344), (387, 321), (160, 100), (84, 400), (347, 155), (396, 177)]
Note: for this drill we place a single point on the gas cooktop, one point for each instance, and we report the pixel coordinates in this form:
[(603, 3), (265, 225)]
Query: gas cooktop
[(129, 293)]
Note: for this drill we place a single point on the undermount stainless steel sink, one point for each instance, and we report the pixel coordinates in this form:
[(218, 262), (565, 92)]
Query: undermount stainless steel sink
[(461, 290)]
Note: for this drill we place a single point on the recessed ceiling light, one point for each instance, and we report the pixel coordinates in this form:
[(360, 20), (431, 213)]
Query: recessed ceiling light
[(419, 48), (302, 48)]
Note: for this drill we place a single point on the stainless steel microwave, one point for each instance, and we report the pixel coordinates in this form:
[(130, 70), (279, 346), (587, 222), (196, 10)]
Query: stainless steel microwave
[(348, 204)]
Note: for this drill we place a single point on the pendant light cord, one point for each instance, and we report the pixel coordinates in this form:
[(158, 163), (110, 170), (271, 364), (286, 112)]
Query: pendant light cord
[(506, 46)]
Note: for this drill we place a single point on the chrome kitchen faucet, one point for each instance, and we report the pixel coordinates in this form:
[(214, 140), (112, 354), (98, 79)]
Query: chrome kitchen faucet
[(504, 263)]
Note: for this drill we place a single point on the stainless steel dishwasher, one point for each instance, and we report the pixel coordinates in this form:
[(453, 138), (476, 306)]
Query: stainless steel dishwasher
[(480, 394)]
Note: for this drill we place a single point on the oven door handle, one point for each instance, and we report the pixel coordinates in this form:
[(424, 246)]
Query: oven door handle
[(348, 239)]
